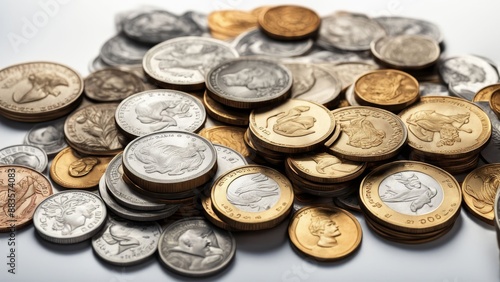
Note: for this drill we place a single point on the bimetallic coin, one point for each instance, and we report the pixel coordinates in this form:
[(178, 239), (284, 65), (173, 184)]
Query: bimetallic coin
[(120, 50), (395, 26), (288, 22), (70, 217), (433, 89), (229, 136), (479, 189), (24, 155), (230, 23), (484, 94), (182, 63), (158, 110), (227, 159), (112, 85), (22, 191), (47, 136), (124, 243), (495, 102), (249, 83), (325, 233), (210, 215), (193, 247)]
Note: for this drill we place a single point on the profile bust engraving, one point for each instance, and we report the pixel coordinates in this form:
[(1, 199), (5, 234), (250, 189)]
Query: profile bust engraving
[(325, 228), (70, 213)]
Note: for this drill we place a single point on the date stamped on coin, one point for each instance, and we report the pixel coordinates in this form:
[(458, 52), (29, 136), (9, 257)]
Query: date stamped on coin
[(11, 219)]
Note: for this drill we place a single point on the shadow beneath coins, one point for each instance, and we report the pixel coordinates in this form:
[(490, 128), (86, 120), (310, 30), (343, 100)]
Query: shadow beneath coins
[(66, 249), (268, 240), (16, 125), (125, 269), (478, 221), (326, 263)]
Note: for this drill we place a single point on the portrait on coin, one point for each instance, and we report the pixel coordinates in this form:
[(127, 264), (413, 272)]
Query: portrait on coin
[(325, 228), (21, 158), (47, 136), (261, 81), (121, 236), (69, 213)]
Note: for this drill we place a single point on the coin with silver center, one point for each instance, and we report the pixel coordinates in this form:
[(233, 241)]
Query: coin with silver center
[(193, 247), (395, 26), (120, 50), (124, 242), (48, 136), (70, 217), (25, 155), (157, 110)]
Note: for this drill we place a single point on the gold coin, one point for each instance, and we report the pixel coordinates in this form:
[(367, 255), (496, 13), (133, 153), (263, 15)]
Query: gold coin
[(391, 90), (484, 94), (259, 10), (264, 152), (315, 188), (231, 23), (411, 197), (334, 136), (252, 197), (229, 136), (225, 114), (289, 22), (495, 102), (446, 126), (479, 189), (206, 203), (72, 170), (368, 134), (296, 126), (325, 233)]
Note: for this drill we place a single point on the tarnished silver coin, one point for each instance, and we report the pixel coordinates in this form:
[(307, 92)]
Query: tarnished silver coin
[(249, 83), (121, 191), (70, 217), (491, 152), (47, 136), (348, 72), (182, 63), (194, 247), (465, 75), (97, 64), (350, 97), (120, 50), (124, 242), (432, 89), (132, 214), (255, 43), (112, 85), (349, 31), (395, 26), (156, 110), (349, 201), (25, 155)]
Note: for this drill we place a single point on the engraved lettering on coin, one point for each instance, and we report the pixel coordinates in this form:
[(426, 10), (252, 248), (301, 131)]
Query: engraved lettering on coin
[(483, 198), (424, 124), (362, 133), (292, 123), (82, 167), (411, 192), (253, 192), (160, 114), (325, 228), (37, 87), (330, 164)]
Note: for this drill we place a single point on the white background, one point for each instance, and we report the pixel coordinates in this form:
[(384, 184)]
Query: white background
[(73, 33)]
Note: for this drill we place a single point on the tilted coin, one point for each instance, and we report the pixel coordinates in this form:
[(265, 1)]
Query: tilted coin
[(249, 83), (484, 94), (210, 215), (92, 130), (38, 91), (182, 63), (325, 233), (395, 26), (70, 217), (47, 136), (97, 64), (22, 191), (433, 89), (296, 126), (229, 136), (120, 50), (348, 72), (112, 85), (289, 22), (490, 151), (124, 242), (72, 170), (157, 110), (350, 96), (223, 113), (495, 102), (230, 23), (193, 247), (24, 155), (348, 202), (479, 189)]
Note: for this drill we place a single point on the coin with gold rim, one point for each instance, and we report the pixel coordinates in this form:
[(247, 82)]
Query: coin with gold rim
[(495, 102), (225, 114), (229, 136), (484, 94), (289, 22)]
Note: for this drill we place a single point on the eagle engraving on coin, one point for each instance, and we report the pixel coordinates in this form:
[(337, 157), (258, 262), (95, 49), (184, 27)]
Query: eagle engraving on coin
[(253, 192), (293, 123), (160, 114), (325, 228), (362, 133), (40, 86)]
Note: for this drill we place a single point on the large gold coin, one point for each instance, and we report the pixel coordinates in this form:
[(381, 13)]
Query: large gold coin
[(484, 94), (252, 197), (368, 134), (479, 189), (230, 23), (446, 126), (412, 197), (495, 102), (325, 233), (295, 126), (289, 22), (229, 136)]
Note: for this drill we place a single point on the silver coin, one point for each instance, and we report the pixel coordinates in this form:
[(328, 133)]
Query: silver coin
[(349, 96), (156, 110), (496, 210), (121, 191), (184, 61), (139, 72), (333, 56), (255, 43), (491, 153), (97, 64), (194, 247), (70, 217), (249, 83), (111, 85), (25, 155), (132, 214), (313, 83), (395, 26), (200, 19), (433, 89), (153, 27), (465, 75), (349, 201), (348, 72), (48, 136), (120, 50), (349, 31), (124, 243)]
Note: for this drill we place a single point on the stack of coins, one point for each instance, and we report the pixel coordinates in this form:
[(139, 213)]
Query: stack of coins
[(410, 202), (447, 132), (227, 24), (496, 217), (112, 85)]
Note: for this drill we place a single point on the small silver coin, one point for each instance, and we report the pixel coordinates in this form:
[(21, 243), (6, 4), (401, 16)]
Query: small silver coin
[(395, 26), (349, 201), (349, 96), (120, 50), (331, 55), (433, 89), (25, 155), (193, 247), (491, 152), (97, 64), (48, 136), (124, 242), (70, 217)]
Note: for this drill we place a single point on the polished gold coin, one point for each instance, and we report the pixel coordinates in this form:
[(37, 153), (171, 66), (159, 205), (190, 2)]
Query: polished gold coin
[(479, 189), (495, 102), (411, 197), (259, 10), (229, 136), (227, 24), (316, 188), (392, 90), (289, 22), (73, 170), (264, 152), (325, 233), (206, 203), (484, 94), (368, 134), (296, 126), (446, 126), (252, 197), (224, 113)]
